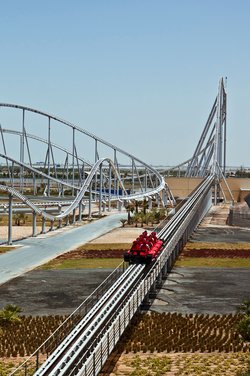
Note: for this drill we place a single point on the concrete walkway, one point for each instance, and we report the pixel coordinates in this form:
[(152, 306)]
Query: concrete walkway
[(37, 251)]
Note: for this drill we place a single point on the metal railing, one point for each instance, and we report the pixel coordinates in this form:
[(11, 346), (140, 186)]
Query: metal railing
[(35, 360)]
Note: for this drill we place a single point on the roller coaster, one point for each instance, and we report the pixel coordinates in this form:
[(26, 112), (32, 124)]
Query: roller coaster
[(67, 172), (100, 320)]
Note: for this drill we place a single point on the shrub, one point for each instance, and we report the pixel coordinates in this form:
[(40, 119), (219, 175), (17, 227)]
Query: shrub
[(244, 328)]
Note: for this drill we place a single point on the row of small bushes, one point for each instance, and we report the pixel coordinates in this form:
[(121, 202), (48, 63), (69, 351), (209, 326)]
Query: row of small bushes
[(172, 332), (22, 335), (147, 332)]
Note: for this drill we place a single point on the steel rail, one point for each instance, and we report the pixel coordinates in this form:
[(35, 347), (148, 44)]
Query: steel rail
[(69, 340), (94, 362), (44, 141), (165, 232), (117, 319), (81, 190), (85, 306), (75, 127), (79, 339)]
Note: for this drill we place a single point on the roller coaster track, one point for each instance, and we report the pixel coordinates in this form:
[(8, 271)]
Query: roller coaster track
[(101, 181), (85, 349)]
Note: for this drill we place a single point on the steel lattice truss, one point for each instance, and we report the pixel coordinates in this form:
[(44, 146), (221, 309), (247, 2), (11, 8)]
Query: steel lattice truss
[(77, 169), (72, 163), (210, 154)]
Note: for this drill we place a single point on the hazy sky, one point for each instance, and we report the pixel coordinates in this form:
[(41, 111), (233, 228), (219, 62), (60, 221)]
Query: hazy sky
[(141, 74)]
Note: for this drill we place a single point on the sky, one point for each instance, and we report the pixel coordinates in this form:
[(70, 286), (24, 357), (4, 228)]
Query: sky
[(140, 74)]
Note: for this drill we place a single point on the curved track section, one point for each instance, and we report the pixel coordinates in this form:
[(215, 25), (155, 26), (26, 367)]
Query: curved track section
[(70, 164)]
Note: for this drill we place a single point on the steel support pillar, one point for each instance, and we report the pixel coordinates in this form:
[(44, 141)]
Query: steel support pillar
[(51, 226), (153, 291), (10, 220), (43, 225), (164, 198), (104, 206), (158, 201), (34, 224), (119, 205), (100, 192), (80, 212), (165, 271), (150, 203), (159, 281), (74, 217), (146, 302), (169, 263), (90, 200), (109, 198)]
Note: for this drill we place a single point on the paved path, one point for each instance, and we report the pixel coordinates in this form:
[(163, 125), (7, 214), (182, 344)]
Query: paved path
[(39, 250)]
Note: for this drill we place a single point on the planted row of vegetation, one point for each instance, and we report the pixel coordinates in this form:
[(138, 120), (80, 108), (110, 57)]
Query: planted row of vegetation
[(22, 335), (169, 332), (144, 216), (154, 332), (216, 364)]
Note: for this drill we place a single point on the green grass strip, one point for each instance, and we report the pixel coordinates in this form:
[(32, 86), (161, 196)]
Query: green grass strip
[(200, 262), (95, 263)]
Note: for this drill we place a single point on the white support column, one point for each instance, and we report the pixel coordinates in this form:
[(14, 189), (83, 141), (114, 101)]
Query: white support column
[(67, 220), (164, 197), (100, 191), (52, 225), (90, 200), (80, 212), (74, 216), (149, 203), (104, 206), (119, 205), (109, 199), (43, 225), (10, 220), (34, 224)]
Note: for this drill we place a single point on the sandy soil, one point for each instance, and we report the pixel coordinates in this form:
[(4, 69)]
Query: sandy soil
[(18, 232), (217, 216), (120, 235), (212, 363)]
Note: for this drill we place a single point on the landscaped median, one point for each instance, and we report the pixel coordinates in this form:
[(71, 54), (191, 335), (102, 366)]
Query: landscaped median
[(91, 256), (223, 255)]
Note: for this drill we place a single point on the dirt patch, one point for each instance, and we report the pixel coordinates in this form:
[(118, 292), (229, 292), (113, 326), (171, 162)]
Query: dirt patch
[(120, 235)]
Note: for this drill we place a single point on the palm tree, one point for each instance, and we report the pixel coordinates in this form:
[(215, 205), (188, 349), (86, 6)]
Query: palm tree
[(10, 314), (20, 218), (150, 217), (136, 218), (130, 207), (123, 221), (144, 206), (142, 218)]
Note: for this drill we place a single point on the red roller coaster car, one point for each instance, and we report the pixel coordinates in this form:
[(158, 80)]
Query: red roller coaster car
[(144, 250)]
